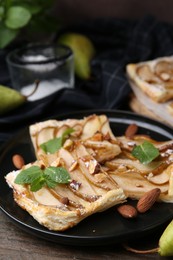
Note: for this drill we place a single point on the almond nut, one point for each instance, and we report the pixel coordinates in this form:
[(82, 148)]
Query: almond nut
[(127, 211), (18, 161), (148, 199), (98, 137), (73, 166), (64, 200), (107, 137), (131, 130), (94, 167)]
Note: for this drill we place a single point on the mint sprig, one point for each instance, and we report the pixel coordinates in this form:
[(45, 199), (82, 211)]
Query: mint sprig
[(146, 152), (37, 177), (56, 143), (33, 15)]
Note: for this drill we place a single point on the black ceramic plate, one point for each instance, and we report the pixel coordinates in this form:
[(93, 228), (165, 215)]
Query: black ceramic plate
[(102, 228)]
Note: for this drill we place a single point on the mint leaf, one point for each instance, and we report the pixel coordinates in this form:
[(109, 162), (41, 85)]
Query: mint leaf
[(57, 174), (67, 132), (146, 152), (56, 143), (6, 35), (37, 178), (29, 175), (52, 145), (50, 183), (17, 17), (2, 12), (37, 183)]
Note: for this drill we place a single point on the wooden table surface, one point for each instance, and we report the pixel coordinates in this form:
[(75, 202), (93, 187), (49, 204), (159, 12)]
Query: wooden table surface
[(17, 244)]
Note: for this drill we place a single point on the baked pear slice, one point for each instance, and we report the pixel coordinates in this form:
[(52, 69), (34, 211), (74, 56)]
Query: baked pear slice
[(135, 177), (83, 129)]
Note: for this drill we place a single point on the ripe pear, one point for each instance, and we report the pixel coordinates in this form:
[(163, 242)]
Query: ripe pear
[(83, 50), (10, 99), (166, 241)]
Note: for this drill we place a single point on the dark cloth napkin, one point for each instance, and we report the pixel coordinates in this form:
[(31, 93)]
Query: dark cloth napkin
[(118, 42)]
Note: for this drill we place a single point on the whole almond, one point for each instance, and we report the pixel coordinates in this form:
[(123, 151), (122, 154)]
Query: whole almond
[(18, 161), (148, 199), (131, 130), (127, 211)]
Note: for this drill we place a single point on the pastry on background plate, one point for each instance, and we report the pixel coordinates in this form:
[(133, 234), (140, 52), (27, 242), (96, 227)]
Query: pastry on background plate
[(153, 77)]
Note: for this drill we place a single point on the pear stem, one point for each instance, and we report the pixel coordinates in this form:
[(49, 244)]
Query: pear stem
[(149, 251), (37, 81)]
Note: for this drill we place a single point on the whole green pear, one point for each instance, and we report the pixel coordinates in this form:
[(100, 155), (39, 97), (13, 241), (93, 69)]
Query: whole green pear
[(10, 99), (166, 241), (83, 50)]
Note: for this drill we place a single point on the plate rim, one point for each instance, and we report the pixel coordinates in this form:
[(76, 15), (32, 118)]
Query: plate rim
[(66, 238)]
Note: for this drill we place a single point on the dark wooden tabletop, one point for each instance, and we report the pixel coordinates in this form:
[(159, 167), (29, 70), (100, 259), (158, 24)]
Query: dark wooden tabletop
[(17, 244)]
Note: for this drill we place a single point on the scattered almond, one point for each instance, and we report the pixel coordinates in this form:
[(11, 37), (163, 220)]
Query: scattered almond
[(107, 137), (93, 167), (148, 199), (42, 166), (127, 211), (131, 130), (73, 166), (68, 145), (75, 185), (18, 161), (97, 137), (59, 162), (64, 200)]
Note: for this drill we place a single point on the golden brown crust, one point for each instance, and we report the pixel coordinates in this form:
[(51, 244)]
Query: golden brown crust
[(155, 81), (60, 218), (66, 205), (142, 104)]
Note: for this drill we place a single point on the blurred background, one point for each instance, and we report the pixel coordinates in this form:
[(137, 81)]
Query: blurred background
[(77, 10), (119, 32)]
